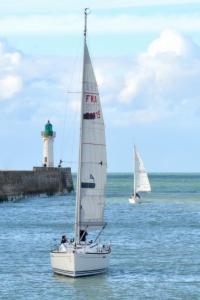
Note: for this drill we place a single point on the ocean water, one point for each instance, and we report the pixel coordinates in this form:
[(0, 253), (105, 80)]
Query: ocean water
[(155, 244)]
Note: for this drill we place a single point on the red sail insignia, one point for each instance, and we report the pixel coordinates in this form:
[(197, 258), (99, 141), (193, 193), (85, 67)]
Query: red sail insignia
[(90, 98), (92, 115)]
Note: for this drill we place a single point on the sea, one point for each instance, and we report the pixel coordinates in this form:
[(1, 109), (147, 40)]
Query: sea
[(155, 243)]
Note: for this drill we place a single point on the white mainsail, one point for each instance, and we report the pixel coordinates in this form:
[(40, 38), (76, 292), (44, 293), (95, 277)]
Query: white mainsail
[(92, 154), (141, 180)]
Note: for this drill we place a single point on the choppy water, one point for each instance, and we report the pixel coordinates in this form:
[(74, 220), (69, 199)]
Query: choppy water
[(155, 244)]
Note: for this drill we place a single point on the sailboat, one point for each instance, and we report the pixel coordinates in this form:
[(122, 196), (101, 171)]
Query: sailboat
[(80, 257), (141, 180)]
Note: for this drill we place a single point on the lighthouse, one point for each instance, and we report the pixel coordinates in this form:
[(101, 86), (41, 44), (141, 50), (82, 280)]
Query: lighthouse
[(48, 136)]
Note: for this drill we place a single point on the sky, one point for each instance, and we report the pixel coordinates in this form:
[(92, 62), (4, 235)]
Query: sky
[(146, 57)]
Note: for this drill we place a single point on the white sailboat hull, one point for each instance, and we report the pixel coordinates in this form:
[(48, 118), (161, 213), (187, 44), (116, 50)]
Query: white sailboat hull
[(79, 264), (132, 200)]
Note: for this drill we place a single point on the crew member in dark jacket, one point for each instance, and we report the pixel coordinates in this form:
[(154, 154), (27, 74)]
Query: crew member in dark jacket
[(64, 239)]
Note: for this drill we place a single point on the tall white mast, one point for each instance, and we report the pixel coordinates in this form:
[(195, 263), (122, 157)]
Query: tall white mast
[(77, 218)]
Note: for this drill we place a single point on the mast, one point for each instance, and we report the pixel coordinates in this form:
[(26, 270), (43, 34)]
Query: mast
[(86, 12), (78, 189), (134, 187)]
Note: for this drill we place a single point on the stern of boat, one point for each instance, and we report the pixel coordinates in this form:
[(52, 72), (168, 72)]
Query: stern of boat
[(132, 200), (80, 262)]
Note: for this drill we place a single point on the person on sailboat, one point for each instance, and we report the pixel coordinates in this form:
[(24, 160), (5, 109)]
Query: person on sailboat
[(63, 244), (64, 239)]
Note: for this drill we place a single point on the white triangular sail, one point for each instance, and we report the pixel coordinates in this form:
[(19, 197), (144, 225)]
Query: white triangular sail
[(92, 154), (142, 183)]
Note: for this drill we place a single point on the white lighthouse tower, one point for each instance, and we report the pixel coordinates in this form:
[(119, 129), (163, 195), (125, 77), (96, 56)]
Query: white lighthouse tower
[(48, 137)]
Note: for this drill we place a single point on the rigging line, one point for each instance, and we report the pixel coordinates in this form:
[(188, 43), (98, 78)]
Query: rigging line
[(100, 232), (66, 110)]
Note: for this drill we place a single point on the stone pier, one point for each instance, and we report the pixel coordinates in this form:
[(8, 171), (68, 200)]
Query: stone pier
[(41, 180)]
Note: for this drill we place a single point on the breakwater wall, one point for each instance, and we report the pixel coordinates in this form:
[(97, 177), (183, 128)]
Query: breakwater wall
[(41, 180)]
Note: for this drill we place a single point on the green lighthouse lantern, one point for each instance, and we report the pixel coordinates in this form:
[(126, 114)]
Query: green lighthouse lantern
[(48, 131)]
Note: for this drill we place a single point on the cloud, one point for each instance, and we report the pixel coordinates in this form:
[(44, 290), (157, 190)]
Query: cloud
[(9, 86), (10, 79), (107, 24), (159, 85), (165, 80), (174, 43), (136, 3), (47, 82), (50, 6)]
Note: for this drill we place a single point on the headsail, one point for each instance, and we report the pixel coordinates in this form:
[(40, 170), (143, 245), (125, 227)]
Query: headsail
[(142, 183), (92, 157)]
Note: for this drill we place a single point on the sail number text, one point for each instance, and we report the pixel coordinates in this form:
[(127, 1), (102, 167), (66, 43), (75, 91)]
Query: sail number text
[(90, 98), (92, 115)]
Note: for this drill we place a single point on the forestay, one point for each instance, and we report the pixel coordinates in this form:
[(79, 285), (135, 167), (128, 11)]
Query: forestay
[(142, 183), (92, 158)]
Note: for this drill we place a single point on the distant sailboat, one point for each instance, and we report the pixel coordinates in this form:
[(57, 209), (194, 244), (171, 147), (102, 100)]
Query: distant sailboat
[(80, 257), (141, 180)]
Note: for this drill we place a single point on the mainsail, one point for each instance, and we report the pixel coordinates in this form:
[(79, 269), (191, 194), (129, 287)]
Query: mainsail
[(141, 180), (92, 154)]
